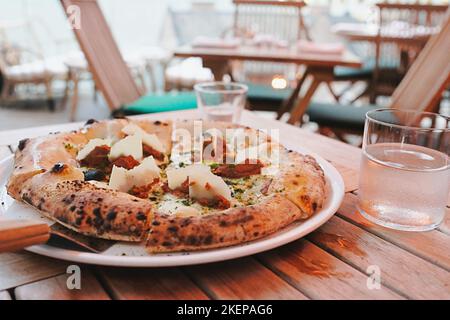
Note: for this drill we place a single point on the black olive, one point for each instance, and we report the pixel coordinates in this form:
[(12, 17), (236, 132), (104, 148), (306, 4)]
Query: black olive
[(94, 174), (58, 167), (22, 144), (90, 121)]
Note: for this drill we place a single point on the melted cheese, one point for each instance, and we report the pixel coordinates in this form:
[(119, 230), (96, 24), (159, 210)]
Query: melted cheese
[(123, 180), (119, 179), (175, 177), (149, 139), (91, 145), (199, 182), (129, 146), (203, 184)]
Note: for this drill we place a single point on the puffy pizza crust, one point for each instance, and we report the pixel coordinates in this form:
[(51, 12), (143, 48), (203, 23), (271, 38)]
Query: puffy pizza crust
[(88, 209), (221, 229), (301, 180), (47, 176)]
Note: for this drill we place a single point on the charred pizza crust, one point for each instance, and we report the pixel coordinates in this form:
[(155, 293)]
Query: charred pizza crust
[(226, 228), (48, 177)]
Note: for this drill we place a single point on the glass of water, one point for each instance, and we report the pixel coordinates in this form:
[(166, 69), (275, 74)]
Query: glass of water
[(405, 171), (221, 101)]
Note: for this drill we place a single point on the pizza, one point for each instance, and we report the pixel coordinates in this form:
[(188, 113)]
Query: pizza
[(176, 185)]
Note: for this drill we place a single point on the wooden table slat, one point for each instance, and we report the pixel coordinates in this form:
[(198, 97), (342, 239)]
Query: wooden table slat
[(4, 295), (445, 225), (150, 284), (283, 55), (55, 288), (21, 268), (242, 279), (414, 277), (319, 275), (432, 245), (350, 177)]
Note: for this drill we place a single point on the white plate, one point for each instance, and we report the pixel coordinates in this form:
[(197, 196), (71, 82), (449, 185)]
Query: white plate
[(136, 256)]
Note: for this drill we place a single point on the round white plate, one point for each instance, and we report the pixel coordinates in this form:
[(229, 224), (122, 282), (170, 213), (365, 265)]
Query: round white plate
[(134, 255)]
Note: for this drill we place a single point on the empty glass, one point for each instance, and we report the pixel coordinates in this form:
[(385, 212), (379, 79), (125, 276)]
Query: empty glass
[(221, 101), (404, 181)]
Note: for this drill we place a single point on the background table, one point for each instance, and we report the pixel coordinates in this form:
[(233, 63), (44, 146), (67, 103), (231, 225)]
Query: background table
[(370, 33), (319, 67), (409, 41), (331, 263)]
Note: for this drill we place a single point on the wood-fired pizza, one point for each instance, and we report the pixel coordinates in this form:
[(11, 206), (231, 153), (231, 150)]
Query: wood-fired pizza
[(178, 186)]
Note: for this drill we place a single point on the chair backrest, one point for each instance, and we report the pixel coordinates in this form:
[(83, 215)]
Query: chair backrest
[(110, 72), (282, 19), (429, 15), (415, 21), (422, 87), (190, 23)]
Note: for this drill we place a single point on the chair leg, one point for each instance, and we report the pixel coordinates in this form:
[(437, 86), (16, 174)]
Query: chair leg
[(151, 74), (288, 104), (334, 94), (49, 92), (142, 81), (74, 104), (5, 90), (95, 92), (326, 131), (66, 92), (365, 92), (333, 134)]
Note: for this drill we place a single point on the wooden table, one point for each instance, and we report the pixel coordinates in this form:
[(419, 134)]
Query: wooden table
[(409, 41), (331, 263), (370, 33), (319, 67)]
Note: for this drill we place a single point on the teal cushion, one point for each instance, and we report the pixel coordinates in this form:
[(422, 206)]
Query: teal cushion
[(339, 115), (353, 73), (267, 93), (152, 103), (365, 72)]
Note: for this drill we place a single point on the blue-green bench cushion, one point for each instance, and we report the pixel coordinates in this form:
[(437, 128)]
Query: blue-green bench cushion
[(153, 103), (365, 72), (267, 93), (339, 115)]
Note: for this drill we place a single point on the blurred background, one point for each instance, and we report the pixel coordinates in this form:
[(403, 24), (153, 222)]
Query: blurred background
[(35, 35)]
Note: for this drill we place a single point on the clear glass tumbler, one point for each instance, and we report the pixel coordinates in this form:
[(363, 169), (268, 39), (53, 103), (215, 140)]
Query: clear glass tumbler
[(405, 171), (221, 101)]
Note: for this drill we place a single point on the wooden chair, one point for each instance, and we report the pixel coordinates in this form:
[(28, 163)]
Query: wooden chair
[(26, 67), (110, 72), (282, 20), (421, 89), (387, 58), (200, 19), (393, 57)]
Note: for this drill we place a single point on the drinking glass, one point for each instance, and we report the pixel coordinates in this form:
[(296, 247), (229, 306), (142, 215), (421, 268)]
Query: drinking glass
[(221, 101), (404, 180)]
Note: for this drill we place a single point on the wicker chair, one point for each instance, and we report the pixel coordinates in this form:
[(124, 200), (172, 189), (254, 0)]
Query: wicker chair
[(26, 68)]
